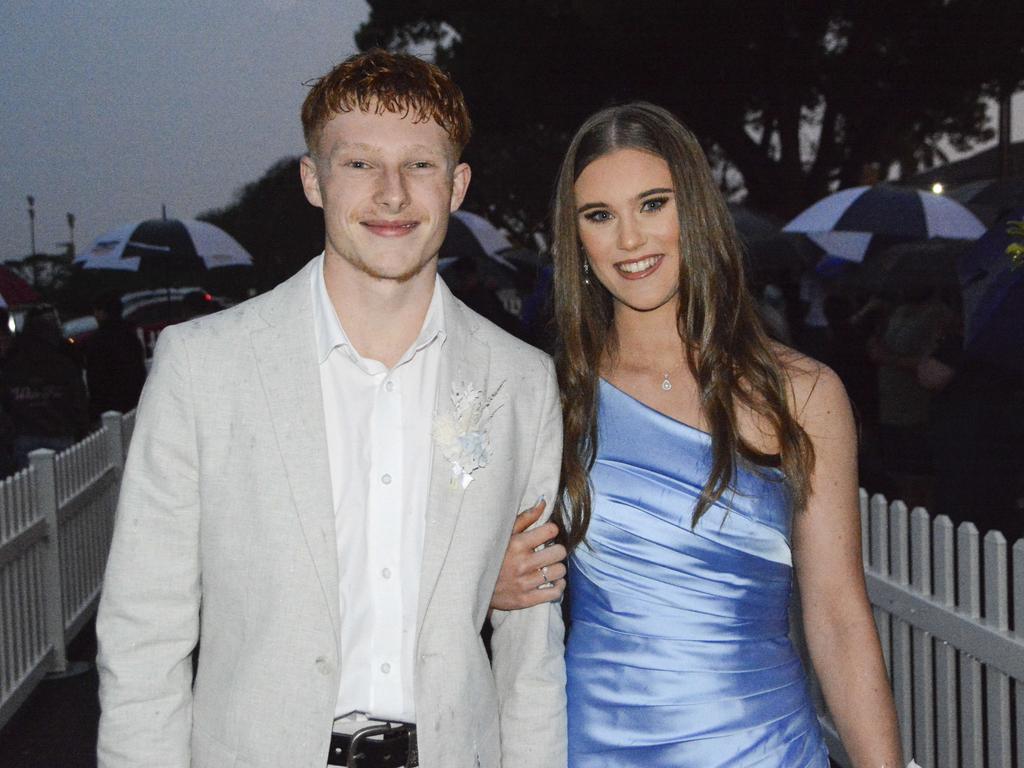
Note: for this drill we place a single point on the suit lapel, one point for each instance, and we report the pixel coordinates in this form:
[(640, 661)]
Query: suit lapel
[(285, 351), (464, 358)]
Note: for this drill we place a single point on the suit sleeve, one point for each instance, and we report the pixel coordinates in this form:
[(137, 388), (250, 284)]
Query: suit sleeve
[(148, 621), (528, 645)]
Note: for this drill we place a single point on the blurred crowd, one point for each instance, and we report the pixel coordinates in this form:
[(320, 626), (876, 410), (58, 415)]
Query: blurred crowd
[(938, 428), (52, 392)]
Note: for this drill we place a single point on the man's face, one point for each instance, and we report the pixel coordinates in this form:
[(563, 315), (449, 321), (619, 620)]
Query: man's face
[(387, 185)]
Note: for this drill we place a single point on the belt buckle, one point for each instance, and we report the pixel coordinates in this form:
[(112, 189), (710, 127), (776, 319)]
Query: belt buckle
[(354, 755)]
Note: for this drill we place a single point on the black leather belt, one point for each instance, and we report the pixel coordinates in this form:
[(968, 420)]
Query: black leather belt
[(378, 745)]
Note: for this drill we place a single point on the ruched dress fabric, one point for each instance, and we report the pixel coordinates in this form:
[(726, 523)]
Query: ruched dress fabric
[(678, 651)]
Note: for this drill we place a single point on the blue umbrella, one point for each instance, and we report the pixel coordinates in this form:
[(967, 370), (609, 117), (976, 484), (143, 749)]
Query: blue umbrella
[(993, 299), (845, 223)]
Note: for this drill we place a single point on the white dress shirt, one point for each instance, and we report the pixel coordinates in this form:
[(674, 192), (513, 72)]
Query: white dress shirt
[(379, 446)]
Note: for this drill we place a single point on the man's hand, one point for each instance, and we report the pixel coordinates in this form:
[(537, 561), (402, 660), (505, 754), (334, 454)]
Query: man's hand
[(533, 570)]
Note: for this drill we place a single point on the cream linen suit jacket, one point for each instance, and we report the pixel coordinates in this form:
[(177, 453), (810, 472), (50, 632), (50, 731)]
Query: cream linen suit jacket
[(225, 534)]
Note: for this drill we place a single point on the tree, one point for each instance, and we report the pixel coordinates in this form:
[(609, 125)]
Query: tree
[(272, 219), (798, 95)]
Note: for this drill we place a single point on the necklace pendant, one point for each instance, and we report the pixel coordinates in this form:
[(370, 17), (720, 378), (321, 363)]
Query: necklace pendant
[(666, 384)]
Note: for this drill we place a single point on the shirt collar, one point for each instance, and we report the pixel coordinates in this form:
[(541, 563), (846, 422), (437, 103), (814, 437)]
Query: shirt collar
[(330, 335)]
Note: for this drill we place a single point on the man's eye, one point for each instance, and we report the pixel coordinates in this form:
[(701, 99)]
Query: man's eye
[(654, 204), (597, 216), (422, 164), (357, 164)]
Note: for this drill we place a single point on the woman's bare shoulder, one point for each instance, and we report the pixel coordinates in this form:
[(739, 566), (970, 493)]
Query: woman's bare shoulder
[(815, 390)]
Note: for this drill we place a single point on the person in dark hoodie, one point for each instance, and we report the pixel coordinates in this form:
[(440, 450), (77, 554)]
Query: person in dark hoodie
[(115, 362), (43, 391)]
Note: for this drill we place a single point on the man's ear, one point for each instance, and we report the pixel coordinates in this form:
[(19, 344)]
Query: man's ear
[(460, 185), (310, 181)]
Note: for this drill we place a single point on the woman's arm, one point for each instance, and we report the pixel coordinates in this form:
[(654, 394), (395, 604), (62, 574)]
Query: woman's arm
[(837, 618)]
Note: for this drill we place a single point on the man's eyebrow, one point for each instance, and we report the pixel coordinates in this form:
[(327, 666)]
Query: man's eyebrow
[(372, 149), (655, 191)]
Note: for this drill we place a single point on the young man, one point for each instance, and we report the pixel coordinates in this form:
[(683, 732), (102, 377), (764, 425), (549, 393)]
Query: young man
[(321, 486)]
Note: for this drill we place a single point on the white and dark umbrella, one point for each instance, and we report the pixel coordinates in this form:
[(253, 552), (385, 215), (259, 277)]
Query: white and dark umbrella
[(847, 223), (475, 245), (164, 247), (473, 237)]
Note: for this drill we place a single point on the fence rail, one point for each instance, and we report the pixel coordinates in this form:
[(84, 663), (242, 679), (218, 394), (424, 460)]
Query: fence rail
[(56, 519), (944, 601)]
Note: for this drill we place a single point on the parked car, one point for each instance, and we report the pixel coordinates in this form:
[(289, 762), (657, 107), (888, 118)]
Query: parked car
[(150, 312)]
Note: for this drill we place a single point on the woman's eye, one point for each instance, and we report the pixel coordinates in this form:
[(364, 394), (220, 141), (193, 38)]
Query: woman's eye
[(654, 204), (597, 216)]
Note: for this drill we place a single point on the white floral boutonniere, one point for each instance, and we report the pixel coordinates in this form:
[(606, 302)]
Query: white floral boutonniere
[(461, 434)]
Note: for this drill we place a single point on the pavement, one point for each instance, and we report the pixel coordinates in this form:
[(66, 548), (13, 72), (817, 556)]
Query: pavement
[(56, 726)]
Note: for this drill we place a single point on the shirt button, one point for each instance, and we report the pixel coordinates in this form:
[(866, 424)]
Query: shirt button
[(389, 385), (385, 667), (386, 573), (386, 479)]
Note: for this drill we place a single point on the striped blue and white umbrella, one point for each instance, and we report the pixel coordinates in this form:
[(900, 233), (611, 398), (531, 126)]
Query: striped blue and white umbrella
[(845, 223)]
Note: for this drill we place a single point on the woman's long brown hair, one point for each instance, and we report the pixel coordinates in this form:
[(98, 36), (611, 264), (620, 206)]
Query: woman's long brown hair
[(721, 335)]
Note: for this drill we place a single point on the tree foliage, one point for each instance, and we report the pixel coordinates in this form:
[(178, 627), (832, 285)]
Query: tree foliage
[(272, 219), (798, 95)]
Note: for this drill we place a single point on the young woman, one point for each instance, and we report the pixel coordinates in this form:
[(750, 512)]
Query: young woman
[(703, 466)]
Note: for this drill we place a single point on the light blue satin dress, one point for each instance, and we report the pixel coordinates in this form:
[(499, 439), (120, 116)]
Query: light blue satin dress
[(678, 652)]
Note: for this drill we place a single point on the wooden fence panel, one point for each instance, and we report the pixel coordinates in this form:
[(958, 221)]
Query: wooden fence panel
[(25, 648), (902, 675), (924, 677), (947, 731), (880, 567), (972, 736), (997, 684), (1018, 632), (56, 520)]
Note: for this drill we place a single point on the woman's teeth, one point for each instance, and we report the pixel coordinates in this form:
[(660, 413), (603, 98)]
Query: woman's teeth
[(638, 266)]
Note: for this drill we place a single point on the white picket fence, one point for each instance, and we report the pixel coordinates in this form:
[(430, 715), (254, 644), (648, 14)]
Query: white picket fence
[(56, 518), (943, 601)]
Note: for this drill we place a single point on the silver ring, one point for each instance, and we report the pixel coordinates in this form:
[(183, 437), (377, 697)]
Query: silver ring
[(544, 572)]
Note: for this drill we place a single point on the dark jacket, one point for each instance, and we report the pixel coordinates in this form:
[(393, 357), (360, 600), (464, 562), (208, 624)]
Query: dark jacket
[(43, 391), (115, 368)]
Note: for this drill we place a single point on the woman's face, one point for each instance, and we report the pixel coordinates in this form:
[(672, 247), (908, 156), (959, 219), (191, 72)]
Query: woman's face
[(629, 227)]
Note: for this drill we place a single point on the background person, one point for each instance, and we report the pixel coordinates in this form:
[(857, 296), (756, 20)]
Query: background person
[(115, 360), (44, 395)]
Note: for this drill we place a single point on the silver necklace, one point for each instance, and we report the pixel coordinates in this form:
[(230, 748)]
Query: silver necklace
[(666, 384)]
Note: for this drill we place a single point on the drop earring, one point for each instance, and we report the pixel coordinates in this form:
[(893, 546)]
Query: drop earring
[(586, 272)]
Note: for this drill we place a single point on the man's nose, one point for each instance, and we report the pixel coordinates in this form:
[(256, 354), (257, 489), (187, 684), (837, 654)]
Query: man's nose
[(392, 191)]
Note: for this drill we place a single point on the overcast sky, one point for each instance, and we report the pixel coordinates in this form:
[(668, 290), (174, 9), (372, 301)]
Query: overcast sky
[(111, 108)]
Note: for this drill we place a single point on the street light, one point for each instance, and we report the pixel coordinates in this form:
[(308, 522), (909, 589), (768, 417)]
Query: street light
[(71, 238), (32, 220), (937, 188)]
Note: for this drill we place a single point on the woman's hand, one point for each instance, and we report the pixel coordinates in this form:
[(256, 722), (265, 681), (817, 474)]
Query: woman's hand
[(533, 571)]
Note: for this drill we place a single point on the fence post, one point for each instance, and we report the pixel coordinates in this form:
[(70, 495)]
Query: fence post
[(113, 424), (43, 464)]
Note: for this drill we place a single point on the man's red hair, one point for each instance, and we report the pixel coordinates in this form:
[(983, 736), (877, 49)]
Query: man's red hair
[(380, 81)]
